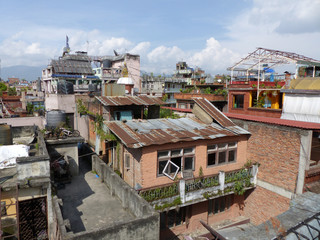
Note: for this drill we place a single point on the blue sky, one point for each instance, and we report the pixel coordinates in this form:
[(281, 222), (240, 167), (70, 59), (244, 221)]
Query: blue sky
[(211, 34)]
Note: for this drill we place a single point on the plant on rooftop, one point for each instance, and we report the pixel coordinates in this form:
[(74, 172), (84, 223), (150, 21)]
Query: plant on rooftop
[(175, 202), (12, 91), (3, 87)]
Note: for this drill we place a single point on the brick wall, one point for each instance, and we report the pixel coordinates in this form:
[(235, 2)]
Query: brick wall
[(261, 205), (277, 149), (149, 161)]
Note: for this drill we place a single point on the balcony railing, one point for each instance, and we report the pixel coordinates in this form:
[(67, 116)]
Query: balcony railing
[(201, 187)]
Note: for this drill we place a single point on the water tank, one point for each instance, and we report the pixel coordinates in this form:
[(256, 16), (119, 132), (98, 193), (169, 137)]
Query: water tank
[(92, 88), (5, 135), (65, 87), (106, 63), (55, 118)]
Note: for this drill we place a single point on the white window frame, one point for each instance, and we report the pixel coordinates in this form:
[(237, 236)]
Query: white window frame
[(169, 156)]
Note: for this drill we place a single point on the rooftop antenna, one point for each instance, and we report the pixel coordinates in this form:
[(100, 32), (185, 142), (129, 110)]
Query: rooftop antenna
[(87, 46)]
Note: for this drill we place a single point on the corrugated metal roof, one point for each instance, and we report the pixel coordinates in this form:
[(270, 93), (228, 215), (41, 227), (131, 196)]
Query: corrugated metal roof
[(278, 121), (213, 112), (308, 83), (129, 100), (140, 133)]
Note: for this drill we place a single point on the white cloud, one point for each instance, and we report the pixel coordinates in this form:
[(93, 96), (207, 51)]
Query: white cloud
[(288, 25), (214, 57)]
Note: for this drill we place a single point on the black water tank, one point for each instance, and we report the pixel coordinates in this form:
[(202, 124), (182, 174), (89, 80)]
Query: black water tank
[(5, 134), (55, 118), (65, 87), (92, 88), (106, 63)]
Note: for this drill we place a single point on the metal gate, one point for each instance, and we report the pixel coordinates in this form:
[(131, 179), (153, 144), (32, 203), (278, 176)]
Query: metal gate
[(33, 219)]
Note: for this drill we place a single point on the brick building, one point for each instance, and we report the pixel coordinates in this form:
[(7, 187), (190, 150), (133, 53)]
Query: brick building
[(187, 168), (288, 154)]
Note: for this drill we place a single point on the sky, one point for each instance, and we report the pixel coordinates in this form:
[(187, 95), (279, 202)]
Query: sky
[(210, 34)]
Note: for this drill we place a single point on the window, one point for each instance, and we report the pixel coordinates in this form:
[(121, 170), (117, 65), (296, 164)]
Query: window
[(183, 158), (238, 101), (220, 204), (127, 161), (222, 153), (173, 218)]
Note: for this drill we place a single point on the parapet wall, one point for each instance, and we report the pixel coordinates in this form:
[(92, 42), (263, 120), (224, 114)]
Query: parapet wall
[(145, 226)]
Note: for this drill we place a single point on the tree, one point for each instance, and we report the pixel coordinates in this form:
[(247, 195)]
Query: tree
[(12, 91), (3, 87)]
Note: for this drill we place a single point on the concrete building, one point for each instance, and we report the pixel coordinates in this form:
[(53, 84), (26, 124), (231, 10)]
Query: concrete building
[(73, 68), (255, 86), (152, 85), (112, 67), (187, 169), (25, 189)]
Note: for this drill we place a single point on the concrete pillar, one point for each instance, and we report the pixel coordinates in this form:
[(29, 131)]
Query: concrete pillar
[(182, 187), (255, 173), (221, 179), (102, 166)]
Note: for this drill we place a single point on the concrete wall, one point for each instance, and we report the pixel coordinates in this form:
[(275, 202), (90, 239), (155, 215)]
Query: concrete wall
[(69, 149), (146, 226), (65, 102), (24, 121), (149, 161)]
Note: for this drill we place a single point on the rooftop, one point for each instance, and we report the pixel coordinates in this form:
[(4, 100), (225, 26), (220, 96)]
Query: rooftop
[(277, 121), (140, 133), (129, 100), (82, 201)]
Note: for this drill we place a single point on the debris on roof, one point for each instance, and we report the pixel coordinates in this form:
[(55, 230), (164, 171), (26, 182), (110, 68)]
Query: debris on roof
[(213, 112)]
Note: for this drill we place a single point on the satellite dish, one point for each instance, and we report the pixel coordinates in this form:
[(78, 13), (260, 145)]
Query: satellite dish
[(115, 53)]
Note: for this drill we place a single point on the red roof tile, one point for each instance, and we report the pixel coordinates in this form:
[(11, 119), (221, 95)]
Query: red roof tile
[(278, 121)]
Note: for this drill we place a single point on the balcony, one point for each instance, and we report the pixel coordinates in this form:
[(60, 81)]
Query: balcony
[(189, 191), (111, 74), (183, 71)]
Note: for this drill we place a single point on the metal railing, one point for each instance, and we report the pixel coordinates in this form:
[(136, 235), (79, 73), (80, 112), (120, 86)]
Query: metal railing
[(169, 190), (200, 183)]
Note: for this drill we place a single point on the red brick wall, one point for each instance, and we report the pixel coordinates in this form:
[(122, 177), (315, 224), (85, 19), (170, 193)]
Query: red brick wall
[(277, 149), (261, 205), (149, 161), (199, 212)]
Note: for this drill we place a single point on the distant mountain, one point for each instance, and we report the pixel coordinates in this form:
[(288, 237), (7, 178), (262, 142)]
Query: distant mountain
[(20, 71)]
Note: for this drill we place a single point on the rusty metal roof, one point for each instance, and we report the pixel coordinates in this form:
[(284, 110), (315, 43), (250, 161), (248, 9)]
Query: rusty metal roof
[(276, 121), (129, 100), (140, 133), (210, 109)]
